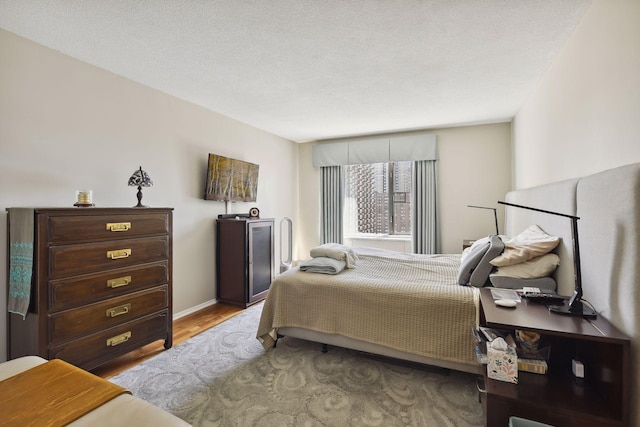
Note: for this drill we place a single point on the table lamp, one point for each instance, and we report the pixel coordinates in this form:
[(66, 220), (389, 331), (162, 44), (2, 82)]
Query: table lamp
[(574, 306), (495, 215), (140, 179)]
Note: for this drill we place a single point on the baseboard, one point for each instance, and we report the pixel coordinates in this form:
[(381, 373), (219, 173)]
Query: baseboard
[(194, 309)]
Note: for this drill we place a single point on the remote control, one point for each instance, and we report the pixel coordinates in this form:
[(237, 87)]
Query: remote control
[(544, 298)]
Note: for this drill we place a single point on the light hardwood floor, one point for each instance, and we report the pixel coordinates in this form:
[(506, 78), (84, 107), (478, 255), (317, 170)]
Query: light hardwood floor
[(183, 329)]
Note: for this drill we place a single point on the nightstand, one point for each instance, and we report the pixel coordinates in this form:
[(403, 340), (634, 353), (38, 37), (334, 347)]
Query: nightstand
[(556, 398)]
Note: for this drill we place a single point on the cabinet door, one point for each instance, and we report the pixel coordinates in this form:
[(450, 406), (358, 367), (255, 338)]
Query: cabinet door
[(260, 258), (232, 267)]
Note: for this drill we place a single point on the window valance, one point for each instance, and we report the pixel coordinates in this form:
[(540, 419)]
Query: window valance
[(376, 150)]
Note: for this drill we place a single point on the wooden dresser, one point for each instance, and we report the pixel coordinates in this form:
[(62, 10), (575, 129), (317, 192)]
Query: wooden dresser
[(101, 284)]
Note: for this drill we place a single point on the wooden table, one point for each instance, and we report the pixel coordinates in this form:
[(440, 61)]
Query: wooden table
[(556, 398)]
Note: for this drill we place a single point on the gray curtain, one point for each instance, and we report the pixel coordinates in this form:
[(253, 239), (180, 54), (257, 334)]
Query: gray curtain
[(332, 203), (425, 238)]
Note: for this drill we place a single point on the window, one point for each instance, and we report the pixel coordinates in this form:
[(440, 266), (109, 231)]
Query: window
[(378, 198)]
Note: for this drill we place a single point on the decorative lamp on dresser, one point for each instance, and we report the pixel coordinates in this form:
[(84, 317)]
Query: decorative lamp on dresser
[(101, 285), (244, 260)]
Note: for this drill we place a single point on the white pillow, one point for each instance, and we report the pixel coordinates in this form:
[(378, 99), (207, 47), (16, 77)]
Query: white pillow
[(532, 269), (532, 242)]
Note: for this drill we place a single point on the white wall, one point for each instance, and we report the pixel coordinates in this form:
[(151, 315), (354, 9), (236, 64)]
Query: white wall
[(474, 169), (584, 116), (66, 125)]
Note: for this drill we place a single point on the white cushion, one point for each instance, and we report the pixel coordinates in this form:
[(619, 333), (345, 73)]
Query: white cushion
[(532, 269), (532, 242)]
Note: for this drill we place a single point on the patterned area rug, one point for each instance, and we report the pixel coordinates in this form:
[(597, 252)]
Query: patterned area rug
[(223, 377)]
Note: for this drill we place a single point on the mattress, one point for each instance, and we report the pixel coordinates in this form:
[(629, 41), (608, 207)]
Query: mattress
[(406, 302)]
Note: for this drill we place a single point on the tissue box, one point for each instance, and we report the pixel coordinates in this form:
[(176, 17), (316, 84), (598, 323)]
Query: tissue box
[(503, 364)]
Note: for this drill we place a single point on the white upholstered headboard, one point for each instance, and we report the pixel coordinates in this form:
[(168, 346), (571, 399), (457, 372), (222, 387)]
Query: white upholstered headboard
[(557, 197), (608, 204)]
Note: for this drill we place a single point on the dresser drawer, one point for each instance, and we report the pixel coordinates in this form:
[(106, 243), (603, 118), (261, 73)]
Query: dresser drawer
[(93, 350), (91, 318), (70, 229), (81, 290), (69, 260)]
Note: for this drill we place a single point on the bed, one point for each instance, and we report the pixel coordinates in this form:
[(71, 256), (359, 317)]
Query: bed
[(420, 308), (438, 329), (362, 309), (122, 410)]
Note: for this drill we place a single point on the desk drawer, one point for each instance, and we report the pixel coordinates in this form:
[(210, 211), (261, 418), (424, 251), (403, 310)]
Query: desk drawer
[(91, 351), (71, 229), (69, 260), (88, 288), (91, 318)]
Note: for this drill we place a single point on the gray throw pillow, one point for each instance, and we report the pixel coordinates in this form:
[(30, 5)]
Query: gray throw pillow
[(475, 267), (545, 284)]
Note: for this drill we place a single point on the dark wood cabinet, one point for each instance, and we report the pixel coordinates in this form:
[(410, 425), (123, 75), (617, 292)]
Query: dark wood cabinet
[(557, 398), (101, 286), (244, 260)]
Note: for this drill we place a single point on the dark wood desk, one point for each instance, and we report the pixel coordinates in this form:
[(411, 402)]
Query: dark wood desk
[(556, 398)]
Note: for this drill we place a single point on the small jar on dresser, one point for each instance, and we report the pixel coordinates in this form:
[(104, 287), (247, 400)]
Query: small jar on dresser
[(101, 285)]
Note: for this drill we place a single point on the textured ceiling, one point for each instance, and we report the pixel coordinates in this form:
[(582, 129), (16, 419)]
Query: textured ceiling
[(308, 70)]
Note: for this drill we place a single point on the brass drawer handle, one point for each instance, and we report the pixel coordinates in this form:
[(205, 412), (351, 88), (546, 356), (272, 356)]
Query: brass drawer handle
[(119, 253), (120, 281), (118, 339), (118, 226), (117, 311)]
